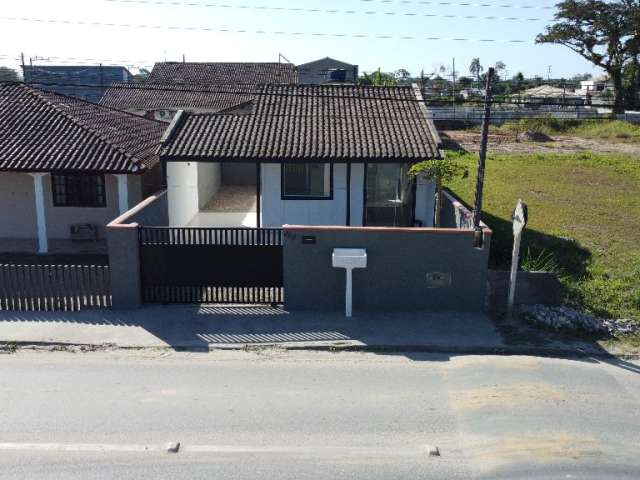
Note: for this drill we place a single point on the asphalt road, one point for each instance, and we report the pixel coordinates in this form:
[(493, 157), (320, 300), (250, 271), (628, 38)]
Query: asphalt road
[(275, 415)]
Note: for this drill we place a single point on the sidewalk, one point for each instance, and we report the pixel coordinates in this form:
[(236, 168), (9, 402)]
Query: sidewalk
[(205, 328)]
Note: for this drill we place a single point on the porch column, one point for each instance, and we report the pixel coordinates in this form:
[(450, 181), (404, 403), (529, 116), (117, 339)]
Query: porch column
[(41, 219), (259, 195), (123, 194)]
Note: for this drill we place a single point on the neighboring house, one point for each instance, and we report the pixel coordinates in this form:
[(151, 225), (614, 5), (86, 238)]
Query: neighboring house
[(471, 93), (83, 81), (595, 87), (546, 94), (327, 70), (221, 73), (307, 155), (68, 167), (161, 102)]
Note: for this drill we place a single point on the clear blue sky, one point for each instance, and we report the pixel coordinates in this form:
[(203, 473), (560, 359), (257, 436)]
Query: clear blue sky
[(142, 46)]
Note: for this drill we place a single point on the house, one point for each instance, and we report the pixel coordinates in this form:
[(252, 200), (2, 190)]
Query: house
[(221, 73), (595, 87), (327, 70), (82, 81), (306, 155), (547, 94), (68, 167), (161, 101)]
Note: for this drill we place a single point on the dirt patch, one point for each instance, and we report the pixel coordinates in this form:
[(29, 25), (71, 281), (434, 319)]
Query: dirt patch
[(506, 396), (506, 143)]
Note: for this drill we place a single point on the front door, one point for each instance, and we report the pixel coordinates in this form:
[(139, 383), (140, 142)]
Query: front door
[(390, 195)]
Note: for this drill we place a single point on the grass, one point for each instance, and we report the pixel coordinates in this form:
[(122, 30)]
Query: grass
[(584, 212), (610, 130)]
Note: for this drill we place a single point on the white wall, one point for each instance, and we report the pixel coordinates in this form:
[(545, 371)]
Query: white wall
[(190, 186), (277, 212), (18, 207), (182, 194), (425, 202), (209, 180)]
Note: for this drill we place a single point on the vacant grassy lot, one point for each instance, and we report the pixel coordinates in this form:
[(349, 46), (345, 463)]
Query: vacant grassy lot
[(584, 221), (608, 130)]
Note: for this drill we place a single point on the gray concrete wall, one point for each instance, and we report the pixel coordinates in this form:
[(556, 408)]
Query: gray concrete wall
[(532, 288), (402, 275), (454, 213), (123, 247)]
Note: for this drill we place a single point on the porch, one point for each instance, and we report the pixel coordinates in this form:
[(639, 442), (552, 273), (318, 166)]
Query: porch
[(231, 206)]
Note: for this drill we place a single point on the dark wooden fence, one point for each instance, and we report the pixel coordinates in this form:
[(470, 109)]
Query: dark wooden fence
[(211, 265), (54, 287)]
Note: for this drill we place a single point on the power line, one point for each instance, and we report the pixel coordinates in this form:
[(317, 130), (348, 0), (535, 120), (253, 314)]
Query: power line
[(257, 32), (462, 4), (320, 10)]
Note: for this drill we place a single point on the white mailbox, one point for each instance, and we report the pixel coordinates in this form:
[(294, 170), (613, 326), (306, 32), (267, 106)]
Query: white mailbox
[(349, 258)]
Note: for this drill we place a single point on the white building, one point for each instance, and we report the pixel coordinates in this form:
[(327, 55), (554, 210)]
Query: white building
[(307, 155)]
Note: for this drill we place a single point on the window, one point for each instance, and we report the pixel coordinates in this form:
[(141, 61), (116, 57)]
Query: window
[(78, 190), (307, 181)]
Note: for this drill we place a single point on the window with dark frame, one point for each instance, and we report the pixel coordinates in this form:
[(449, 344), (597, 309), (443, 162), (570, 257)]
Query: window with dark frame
[(78, 190), (307, 181)]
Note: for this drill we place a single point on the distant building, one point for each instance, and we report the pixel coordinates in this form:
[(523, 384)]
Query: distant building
[(597, 87), (162, 101), (327, 70), (547, 94), (81, 81), (222, 73)]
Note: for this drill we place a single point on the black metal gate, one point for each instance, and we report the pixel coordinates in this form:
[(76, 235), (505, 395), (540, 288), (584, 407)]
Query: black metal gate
[(211, 265)]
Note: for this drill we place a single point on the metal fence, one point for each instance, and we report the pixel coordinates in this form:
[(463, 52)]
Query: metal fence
[(211, 265), (54, 287)]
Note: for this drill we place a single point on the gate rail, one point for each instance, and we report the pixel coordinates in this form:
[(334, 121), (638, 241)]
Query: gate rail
[(211, 265)]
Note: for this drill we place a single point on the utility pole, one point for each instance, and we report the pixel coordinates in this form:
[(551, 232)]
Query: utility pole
[(453, 73), (24, 76), (477, 211)]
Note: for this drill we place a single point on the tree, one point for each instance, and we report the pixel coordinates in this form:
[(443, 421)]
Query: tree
[(500, 67), (440, 171), (8, 75), (476, 68), (402, 76), (141, 76), (606, 33)]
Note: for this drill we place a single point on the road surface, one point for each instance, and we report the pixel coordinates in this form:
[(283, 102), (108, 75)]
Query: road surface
[(278, 415)]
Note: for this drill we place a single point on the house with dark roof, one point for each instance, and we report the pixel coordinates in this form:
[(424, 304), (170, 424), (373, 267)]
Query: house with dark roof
[(68, 167), (327, 70), (223, 73), (82, 81), (162, 101), (333, 155)]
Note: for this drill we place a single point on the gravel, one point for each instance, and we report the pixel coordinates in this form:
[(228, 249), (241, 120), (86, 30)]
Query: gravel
[(568, 318)]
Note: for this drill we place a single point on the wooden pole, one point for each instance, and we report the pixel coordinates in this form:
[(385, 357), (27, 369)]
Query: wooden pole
[(477, 211)]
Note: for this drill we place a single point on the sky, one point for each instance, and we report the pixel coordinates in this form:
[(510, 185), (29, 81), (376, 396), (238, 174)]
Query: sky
[(386, 34)]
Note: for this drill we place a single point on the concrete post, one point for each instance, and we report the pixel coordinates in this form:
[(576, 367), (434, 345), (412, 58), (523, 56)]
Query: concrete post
[(123, 194), (41, 219), (124, 264)]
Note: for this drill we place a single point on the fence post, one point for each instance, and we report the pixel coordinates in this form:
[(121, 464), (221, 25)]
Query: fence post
[(124, 266)]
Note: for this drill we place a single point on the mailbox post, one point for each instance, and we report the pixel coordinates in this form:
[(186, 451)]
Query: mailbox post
[(349, 258)]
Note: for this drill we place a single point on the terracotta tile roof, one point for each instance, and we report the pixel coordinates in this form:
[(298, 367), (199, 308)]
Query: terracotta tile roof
[(223, 73), (148, 96), (43, 131), (313, 123)]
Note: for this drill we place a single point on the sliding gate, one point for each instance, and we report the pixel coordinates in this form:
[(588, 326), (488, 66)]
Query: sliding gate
[(211, 265)]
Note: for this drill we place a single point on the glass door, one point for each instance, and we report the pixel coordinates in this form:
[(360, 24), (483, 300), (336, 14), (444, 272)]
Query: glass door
[(390, 196)]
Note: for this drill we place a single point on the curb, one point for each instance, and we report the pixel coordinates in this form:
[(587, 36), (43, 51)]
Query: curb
[(506, 350)]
